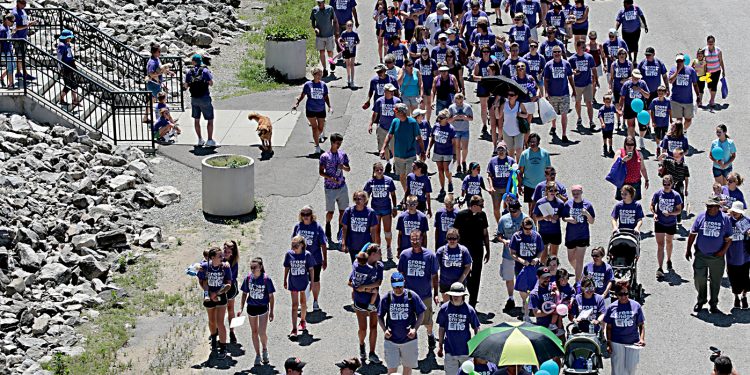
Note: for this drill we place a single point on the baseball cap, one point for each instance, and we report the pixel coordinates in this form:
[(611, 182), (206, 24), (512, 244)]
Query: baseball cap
[(612, 31), (351, 364), (442, 35), (713, 201), (543, 272), (679, 57), (650, 50), (516, 205), (397, 279), (294, 363), (418, 112), (379, 67), (449, 32)]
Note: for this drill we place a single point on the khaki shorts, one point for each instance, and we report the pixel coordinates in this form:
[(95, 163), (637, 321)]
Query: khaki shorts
[(680, 110), (427, 320), (497, 196), (327, 44), (381, 134), (514, 142), (403, 166), (336, 197), (453, 362), (587, 93), (437, 157), (507, 269), (561, 104), (406, 354)]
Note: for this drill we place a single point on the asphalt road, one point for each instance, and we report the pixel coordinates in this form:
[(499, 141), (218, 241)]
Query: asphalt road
[(677, 339)]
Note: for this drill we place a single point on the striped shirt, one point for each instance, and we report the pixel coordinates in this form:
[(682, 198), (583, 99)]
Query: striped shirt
[(678, 171), (712, 60)]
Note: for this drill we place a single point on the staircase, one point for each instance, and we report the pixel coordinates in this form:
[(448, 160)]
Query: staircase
[(110, 76)]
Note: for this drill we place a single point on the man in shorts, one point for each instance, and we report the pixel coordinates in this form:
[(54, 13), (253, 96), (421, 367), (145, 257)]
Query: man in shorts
[(198, 79), (558, 81), (531, 166), (407, 138), (400, 314), (23, 22), (333, 164), (585, 79), (420, 268), (383, 113), (684, 82), (509, 224), (326, 28)]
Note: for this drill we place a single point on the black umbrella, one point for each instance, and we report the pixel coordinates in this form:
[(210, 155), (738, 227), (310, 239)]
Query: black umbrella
[(500, 85)]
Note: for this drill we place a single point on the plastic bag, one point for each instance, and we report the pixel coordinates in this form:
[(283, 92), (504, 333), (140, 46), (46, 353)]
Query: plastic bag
[(724, 88), (617, 173), (546, 111)]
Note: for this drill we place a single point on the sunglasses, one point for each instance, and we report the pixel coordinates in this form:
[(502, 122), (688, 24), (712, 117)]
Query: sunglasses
[(511, 95), (533, 46), (666, 184), (622, 294), (254, 267), (485, 51), (306, 214), (556, 52), (630, 144), (452, 238), (589, 289), (596, 256), (732, 181), (413, 204), (528, 228)]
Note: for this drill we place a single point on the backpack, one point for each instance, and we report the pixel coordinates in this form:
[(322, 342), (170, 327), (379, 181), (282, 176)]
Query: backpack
[(198, 86), (409, 300)]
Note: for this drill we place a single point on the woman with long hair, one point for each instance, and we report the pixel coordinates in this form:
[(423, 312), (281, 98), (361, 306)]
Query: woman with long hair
[(359, 225), (443, 147), (382, 191), (635, 167), (216, 280), (674, 139), (232, 256), (428, 68), (257, 292), (666, 205), (316, 243), (365, 281), (298, 268), (722, 166)]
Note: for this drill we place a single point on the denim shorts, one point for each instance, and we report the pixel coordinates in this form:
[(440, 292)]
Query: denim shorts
[(202, 105), (9, 61), (722, 172), (462, 135), (386, 212), (153, 87)]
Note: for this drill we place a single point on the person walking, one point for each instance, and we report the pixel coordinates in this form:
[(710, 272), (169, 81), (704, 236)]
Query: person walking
[(714, 67), (472, 225), (404, 130), (409, 220), (298, 270), (558, 81), (258, 292), (382, 193), (579, 214), (155, 83), (454, 261), (632, 89), (666, 205), (738, 257), (601, 273), (509, 115), (461, 116), (684, 82), (316, 92), (420, 269), (333, 164), (675, 166), (626, 330), (365, 280), (232, 258), (532, 10), (550, 175), (635, 167), (498, 173), (722, 167), (531, 167), (443, 146), (198, 80), (654, 74), (443, 221), (7, 52), (712, 235), (456, 320), (585, 79), (507, 226), (383, 114), (631, 18), (359, 226), (22, 25), (400, 314), (215, 279), (619, 72), (326, 26), (549, 220), (68, 71), (627, 213)]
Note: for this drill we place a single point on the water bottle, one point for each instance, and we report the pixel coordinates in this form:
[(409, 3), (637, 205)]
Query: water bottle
[(589, 364)]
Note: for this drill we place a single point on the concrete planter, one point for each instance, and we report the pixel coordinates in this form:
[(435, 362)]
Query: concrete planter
[(228, 191), (289, 58)]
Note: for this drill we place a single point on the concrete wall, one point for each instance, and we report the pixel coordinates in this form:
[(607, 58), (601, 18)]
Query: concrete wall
[(33, 110)]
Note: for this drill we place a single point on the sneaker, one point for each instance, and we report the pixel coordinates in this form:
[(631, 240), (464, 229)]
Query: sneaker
[(318, 150), (265, 357), (201, 142), (641, 143), (736, 302), (333, 66), (698, 307), (463, 167), (372, 308), (744, 303), (374, 358), (362, 353), (388, 168), (604, 151), (450, 187), (29, 77), (211, 143), (669, 265), (579, 123), (660, 273), (293, 334), (316, 306), (222, 353), (232, 337), (389, 254), (611, 152), (510, 305), (565, 139), (63, 102), (323, 136), (592, 126), (302, 325), (214, 344), (431, 342), (258, 360), (713, 309), (325, 72)]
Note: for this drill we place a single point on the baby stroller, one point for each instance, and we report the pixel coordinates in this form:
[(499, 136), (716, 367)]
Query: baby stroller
[(583, 353), (622, 254)]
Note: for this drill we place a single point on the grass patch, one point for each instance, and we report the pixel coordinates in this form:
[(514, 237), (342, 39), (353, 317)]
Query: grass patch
[(234, 161)]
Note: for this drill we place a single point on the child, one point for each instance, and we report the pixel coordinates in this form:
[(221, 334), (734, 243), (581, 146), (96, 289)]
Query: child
[(424, 129), (607, 119), (553, 263), (699, 64), (564, 294), (6, 50), (718, 191), (298, 267), (349, 41), (398, 50), (661, 112), (366, 299), (258, 290), (418, 184), (473, 183), (163, 130)]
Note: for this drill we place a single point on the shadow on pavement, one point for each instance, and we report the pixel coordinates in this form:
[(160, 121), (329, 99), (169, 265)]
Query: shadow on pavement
[(724, 320), (674, 279), (305, 339), (485, 318), (213, 362), (372, 369), (315, 317), (235, 350), (203, 151), (260, 370), (429, 364), (231, 220)]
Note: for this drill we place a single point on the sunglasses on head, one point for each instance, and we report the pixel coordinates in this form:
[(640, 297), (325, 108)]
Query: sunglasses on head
[(412, 204)]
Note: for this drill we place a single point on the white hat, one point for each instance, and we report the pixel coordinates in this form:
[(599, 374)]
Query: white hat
[(418, 112), (442, 35), (389, 87), (444, 68), (442, 6), (637, 73), (738, 207), (612, 31)]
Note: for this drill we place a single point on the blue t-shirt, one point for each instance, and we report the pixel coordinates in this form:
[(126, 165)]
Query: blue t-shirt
[(358, 224), (412, 7), (385, 108), (664, 201), (405, 137), (669, 143), (602, 275), (316, 94), (538, 296), (521, 35), (682, 87), (443, 221), (530, 8), (391, 26), (425, 129), (380, 191), (6, 33), (556, 74), (470, 20), (625, 319), (299, 269), (154, 63), (652, 72), (258, 289), (584, 64), (427, 69), (733, 196), (630, 18), (660, 110), (526, 246), (215, 276), (533, 164), (534, 64), (579, 230), (314, 236), (22, 19), (711, 231), (727, 146), (547, 227), (499, 170), (442, 138), (555, 19), (343, 10), (418, 269), (610, 47), (400, 314), (737, 254), (620, 72), (400, 52), (507, 226), (629, 91), (627, 214), (438, 53), (364, 275), (351, 38), (508, 69), (472, 185), (407, 222), (457, 321), (579, 13), (539, 190), (65, 53), (607, 114), (581, 304), (419, 186), (482, 40), (452, 262), (377, 85), (546, 48)]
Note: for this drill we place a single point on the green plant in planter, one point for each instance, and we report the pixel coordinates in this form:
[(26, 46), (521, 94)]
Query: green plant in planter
[(234, 161), (286, 33)]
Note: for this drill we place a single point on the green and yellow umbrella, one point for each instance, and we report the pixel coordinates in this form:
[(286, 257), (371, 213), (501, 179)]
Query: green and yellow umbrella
[(516, 343)]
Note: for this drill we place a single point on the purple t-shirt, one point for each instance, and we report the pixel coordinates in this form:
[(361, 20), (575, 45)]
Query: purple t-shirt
[(602, 275), (377, 85), (153, 65), (664, 201), (358, 225), (452, 262), (407, 222), (331, 162), (556, 74), (299, 269), (595, 304), (472, 185), (412, 7), (660, 112), (733, 195), (607, 113), (380, 193), (364, 275), (258, 289), (391, 26), (442, 136), (400, 314), (418, 269), (385, 108), (400, 52), (427, 69), (531, 9), (482, 40), (555, 19), (444, 220), (629, 91), (538, 296), (630, 18), (216, 277), (737, 255), (585, 64), (669, 143), (610, 47), (316, 93), (470, 20), (343, 10), (457, 321), (627, 214), (546, 48), (682, 87), (520, 35), (539, 190), (351, 39), (625, 319), (508, 68), (418, 186), (526, 246), (547, 227), (315, 237), (22, 19), (535, 64), (579, 230), (711, 231), (425, 130), (499, 170), (621, 73), (652, 72)]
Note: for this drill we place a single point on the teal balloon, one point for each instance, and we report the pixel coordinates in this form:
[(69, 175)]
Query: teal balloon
[(687, 58), (542, 372), (550, 366), (717, 153), (636, 105), (644, 118)]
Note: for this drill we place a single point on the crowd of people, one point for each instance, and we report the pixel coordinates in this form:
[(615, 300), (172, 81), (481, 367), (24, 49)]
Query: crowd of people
[(431, 55)]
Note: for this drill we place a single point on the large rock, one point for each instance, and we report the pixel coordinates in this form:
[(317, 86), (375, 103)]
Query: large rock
[(166, 195), (111, 238), (121, 182), (84, 240), (17, 285), (149, 237), (27, 257), (110, 160), (7, 235), (55, 272), (202, 39), (92, 268)]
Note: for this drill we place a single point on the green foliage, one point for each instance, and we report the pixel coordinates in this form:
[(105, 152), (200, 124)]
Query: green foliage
[(284, 32), (233, 161)]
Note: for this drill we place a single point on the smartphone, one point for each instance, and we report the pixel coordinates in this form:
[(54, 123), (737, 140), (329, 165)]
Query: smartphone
[(630, 154)]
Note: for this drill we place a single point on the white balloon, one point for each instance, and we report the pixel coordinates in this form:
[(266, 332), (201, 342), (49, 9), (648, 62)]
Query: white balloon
[(467, 367)]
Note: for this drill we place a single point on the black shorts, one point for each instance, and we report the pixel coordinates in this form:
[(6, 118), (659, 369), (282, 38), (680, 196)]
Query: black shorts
[(528, 193), (668, 229), (315, 114), (627, 112), (660, 132), (444, 288), (361, 307), (631, 39), (551, 238), (222, 301), (583, 242), (253, 310), (738, 278), (607, 134), (347, 54), (580, 32), (642, 127), (316, 273), (233, 291), (715, 78), (422, 206), (69, 78)]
